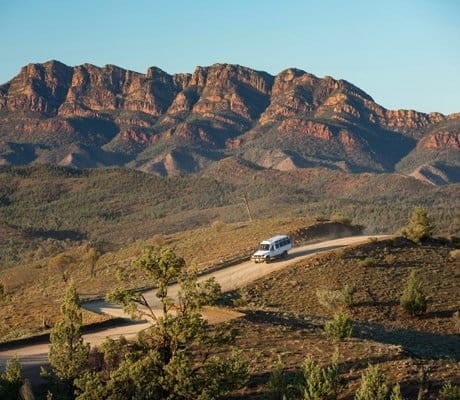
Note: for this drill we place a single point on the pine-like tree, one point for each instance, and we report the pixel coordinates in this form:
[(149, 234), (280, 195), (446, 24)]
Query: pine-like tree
[(419, 227), (68, 354), (11, 380), (173, 358)]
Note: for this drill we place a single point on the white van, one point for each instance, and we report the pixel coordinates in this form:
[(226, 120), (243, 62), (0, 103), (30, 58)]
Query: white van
[(277, 246)]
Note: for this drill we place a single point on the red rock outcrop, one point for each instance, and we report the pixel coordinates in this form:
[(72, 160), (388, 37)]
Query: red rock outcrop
[(220, 106)]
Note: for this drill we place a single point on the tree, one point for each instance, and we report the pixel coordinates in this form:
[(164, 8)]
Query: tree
[(419, 227), (11, 380), (91, 258), (173, 358), (68, 354), (413, 300), (318, 383), (373, 385)]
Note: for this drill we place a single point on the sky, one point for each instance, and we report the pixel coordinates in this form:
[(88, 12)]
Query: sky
[(404, 53)]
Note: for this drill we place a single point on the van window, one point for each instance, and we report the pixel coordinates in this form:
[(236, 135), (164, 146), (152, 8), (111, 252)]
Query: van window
[(264, 247)]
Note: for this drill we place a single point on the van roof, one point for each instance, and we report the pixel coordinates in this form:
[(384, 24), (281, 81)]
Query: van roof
[(275, 238)]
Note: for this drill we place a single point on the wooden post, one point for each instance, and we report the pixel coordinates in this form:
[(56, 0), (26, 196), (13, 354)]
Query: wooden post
[(245, 198)]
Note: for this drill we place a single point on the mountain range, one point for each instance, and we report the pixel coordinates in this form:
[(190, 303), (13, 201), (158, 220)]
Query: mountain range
[(88, 116)]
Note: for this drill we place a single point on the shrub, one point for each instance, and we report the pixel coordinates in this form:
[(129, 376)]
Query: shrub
[(396, 393), (2, 292), (419, 227), (340, 218), (330, 299), (340, 327), (373, 385), (218, 225), (348, 293), (277, 385), (318, 383), (366, 262), (413, 300), (390, 259), (11, 380), (449, 392)]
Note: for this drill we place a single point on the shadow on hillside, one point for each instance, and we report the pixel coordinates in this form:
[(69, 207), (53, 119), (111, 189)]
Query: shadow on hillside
[(56, 234), (421, 344)]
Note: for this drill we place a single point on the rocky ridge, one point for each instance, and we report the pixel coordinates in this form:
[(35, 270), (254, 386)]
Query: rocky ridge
[(88, 116)]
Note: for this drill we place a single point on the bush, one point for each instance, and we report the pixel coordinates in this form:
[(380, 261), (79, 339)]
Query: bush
[(340, 218), (390, 259), (413, 300), (366, 262), (348, 293), (373, 385), (335, 300), (218, 225), (449, 392), (396, 393), (340, 327), (318, 383), (277, 384), (419, 227)]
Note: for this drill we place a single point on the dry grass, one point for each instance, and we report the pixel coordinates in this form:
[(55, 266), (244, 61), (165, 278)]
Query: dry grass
[(35, 288)]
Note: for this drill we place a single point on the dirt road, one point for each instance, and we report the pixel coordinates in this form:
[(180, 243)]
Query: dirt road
[(233, 277)]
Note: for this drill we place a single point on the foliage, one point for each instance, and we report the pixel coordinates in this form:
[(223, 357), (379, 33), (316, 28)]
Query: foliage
[(340, 327), (173, 358), (338, 217), (396, 393), (68, 354), (367, 262), (336, 300), (373, 385), (2, 292), (316, 382), (348, 293), (11, 380), (413, 300), (277, 384), (419, 227), (449, 392)]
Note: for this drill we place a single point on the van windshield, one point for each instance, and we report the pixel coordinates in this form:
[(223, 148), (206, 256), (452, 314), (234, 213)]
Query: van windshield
[(264, 247)]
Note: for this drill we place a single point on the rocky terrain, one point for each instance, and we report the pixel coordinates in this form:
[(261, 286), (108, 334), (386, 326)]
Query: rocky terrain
[(88, 116)]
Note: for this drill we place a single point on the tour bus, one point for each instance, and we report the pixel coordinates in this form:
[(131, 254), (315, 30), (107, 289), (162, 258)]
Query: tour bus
[(277, 246)]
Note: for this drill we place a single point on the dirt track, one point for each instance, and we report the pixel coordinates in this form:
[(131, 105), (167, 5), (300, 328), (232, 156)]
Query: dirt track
[(233, 277)]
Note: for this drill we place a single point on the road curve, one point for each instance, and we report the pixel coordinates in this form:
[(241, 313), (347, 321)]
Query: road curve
[(230, 278)]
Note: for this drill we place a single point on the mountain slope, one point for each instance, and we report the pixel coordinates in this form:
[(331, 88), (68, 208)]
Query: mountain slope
[(87, 116)]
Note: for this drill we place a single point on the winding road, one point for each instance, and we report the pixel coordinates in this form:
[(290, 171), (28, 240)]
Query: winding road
[(233, 277)]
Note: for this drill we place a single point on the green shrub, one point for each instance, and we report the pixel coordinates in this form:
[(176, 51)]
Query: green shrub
[(11, 380), (396, 393), (419, 227), (340, 327), (277, 385), (318, 383), (413, 300), (449, 392), (373, 385)]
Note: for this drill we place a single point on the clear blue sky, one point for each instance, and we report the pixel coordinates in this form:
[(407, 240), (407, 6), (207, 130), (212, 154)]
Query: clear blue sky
[(404, 53)]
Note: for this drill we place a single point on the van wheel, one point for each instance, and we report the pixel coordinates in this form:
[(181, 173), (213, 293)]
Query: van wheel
[(285, 254), (267, 259)]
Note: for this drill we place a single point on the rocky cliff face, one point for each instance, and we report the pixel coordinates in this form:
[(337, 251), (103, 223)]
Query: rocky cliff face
[(292, 120)]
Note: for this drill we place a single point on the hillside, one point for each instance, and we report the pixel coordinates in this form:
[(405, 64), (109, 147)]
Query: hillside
[(45, 209), (88, 117), (288, 310)]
